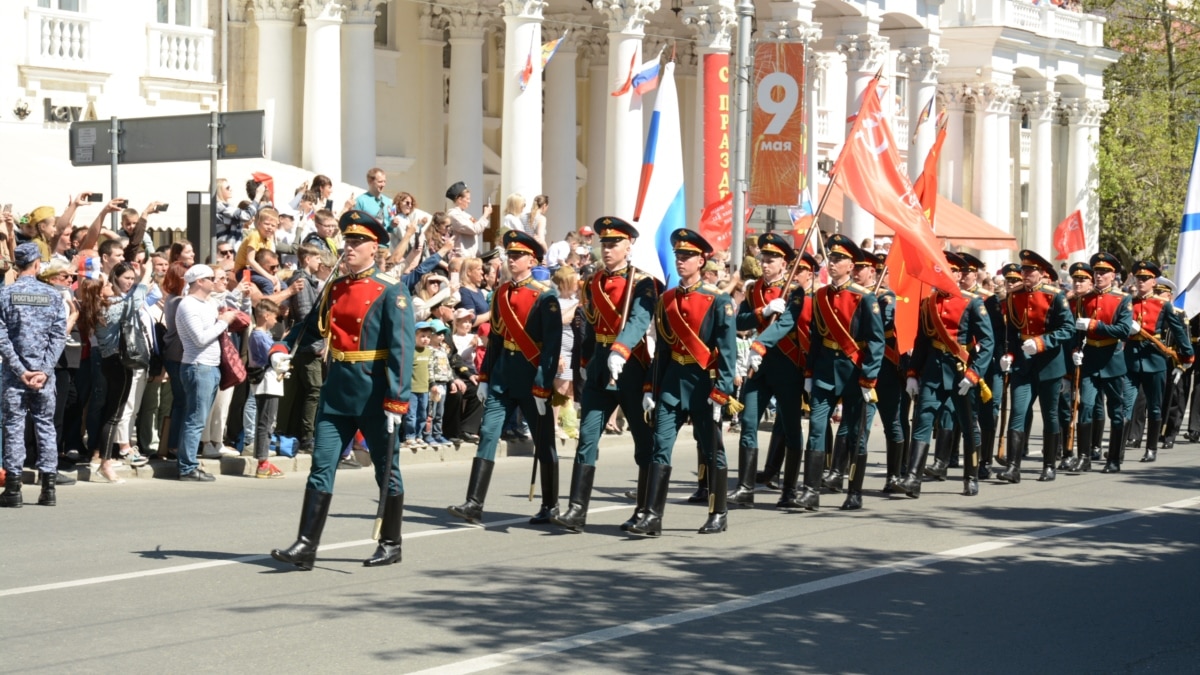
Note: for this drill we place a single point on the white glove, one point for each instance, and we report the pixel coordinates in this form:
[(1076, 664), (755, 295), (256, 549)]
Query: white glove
[(616, 363), (964, 385), (1005, 363), (1137, 328), (583, 374), (481, 392), (775, 306), (280, 362), (716, 411), (1077, 358), (912, 386), (868, 394), (808, 385), (541, 405), (394, 420), (1029, 347), (1178, 375), (755, 360), (1082, 324), (647, 402)]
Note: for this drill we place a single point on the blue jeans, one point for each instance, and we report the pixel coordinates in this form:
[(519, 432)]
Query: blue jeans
[(437, 410), (178, 402), (200, 385), (414, 419)]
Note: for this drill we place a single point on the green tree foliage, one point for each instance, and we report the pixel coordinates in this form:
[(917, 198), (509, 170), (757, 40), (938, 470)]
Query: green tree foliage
[(1149, 132)]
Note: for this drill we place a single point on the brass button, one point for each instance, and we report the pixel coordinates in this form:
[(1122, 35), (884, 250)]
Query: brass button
[(355, 338)]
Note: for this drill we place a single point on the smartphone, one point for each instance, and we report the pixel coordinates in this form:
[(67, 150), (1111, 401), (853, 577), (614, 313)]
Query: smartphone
[(123, 203), (161, 207), (246, 275), (329, 204), (96, 197), (7, 208)]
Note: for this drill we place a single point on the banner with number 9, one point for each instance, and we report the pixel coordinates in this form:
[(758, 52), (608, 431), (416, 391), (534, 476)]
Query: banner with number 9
[(778, 142)]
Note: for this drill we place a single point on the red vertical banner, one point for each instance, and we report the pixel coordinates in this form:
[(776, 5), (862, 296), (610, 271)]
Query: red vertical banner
[(716, 127), (777, 142)]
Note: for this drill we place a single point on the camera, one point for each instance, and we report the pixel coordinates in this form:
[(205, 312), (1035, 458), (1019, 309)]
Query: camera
[(160, 208)]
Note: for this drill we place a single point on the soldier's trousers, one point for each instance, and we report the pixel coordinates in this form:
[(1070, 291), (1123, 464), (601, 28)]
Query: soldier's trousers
[(334, 432), (786, 385), (989, 413), (20, 401), (668, 419), (1024, 392), (498, 407), (937, 403), (597, 403), (1113, 391), (890, 390), (1152, 385), (823, 403)]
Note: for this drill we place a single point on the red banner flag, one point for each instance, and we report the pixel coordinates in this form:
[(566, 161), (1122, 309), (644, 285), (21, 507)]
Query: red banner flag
[(868, 170), (1068, 236), (926, 187), (716, 222), (909, 291)]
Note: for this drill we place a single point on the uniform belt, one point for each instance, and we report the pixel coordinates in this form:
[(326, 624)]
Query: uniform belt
[(605, 339), (683, 359), (1030, 336), (357, 356), (831, 344), (512, 346), (941, 346), (1102, 343)]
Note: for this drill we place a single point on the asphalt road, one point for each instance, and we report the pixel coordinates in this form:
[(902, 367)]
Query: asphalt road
[(1089, 574)]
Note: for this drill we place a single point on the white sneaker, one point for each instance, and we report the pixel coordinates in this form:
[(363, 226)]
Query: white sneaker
[(210, 451), (226, 451)]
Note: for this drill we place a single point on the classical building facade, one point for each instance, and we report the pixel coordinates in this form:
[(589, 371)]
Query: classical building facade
[(430, 91)]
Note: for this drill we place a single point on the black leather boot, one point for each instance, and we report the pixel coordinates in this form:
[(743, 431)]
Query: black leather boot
[(477, 487), (313, 512), (1083, 452), (970, 472), (743, 494), (47, 497), (658, 482), (1116, 449), (943, 447), (388, 550), (12, 491), (718, 512), (834, 479), (1153, 429), (581, 495), (810, 497), (769, 476), (918, 453), (987, 438), (549, 508), (895, 458), (1016, 450), (1051, 442), (1097, 437), (955, 448), (639, 511), (700, 496), (858, 471), (791, 475)]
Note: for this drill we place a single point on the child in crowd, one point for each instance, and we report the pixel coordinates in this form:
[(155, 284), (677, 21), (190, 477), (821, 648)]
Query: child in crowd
[(440, 377), (418, 402), (268, 367)]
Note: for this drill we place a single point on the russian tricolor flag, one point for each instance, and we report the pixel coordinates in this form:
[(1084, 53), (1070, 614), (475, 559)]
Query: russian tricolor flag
[(647, 78), (660, 208), (1187, 258)]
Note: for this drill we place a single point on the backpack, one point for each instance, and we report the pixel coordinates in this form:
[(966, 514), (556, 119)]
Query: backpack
[(134, 345)]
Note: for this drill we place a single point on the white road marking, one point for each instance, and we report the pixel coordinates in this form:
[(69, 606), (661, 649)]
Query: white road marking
[(534, 651)]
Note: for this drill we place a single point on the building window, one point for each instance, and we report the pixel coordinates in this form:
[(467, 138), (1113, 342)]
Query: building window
[(175, 12), (381, 26), (64, 5)]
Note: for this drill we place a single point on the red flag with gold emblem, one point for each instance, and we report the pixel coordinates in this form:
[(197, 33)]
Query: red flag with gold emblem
[(1068, 236), (909, 292), (926, 187)]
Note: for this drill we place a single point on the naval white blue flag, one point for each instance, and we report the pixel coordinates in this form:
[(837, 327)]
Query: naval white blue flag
[(660, 208), (1187, 258)]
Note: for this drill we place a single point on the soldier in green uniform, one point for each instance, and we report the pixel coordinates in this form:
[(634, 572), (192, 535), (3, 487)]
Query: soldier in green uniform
[(772, 308), (1040, 324), (987, 413), (694, 365), (521, 359), (615, 365), (1103, 321), (847, 353), (367, 322)]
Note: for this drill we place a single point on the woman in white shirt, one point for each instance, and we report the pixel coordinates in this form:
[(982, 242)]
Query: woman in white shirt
[(465, 228)]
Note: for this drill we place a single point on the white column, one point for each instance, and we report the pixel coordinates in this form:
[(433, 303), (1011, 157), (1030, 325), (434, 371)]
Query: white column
[(623, 149), (1006, 96), (597, 132), (323, 89), (923, 66), (1043, 107), (358, 79), (431, 144), (275, 92), (521, 121), (1084, 120), (464, 144), (864, 54), (986, 165), (950, 178), (559, 152), (713, 24)]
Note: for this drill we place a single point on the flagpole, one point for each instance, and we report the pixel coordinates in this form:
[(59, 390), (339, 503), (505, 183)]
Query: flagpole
[(741, 98)]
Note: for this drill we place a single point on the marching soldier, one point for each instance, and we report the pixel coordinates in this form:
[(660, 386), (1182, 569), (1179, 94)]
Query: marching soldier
[(1173, 413), (521, 359), (614, 365), (847, 352), (1103, 321), (954, 346), (1039, 325), (33, 334), (987, 413), (694, 364), (772, 308), (1148, 357), (366, 320)]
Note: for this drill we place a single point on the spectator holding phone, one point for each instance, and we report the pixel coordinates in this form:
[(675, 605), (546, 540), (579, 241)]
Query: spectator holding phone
[(262, 237)]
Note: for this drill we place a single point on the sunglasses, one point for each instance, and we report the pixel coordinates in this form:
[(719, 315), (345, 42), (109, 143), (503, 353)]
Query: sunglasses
[(1144, 277), (272, 268), (225, 251), (1029, 268), (685, 255), (1081, 277)]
